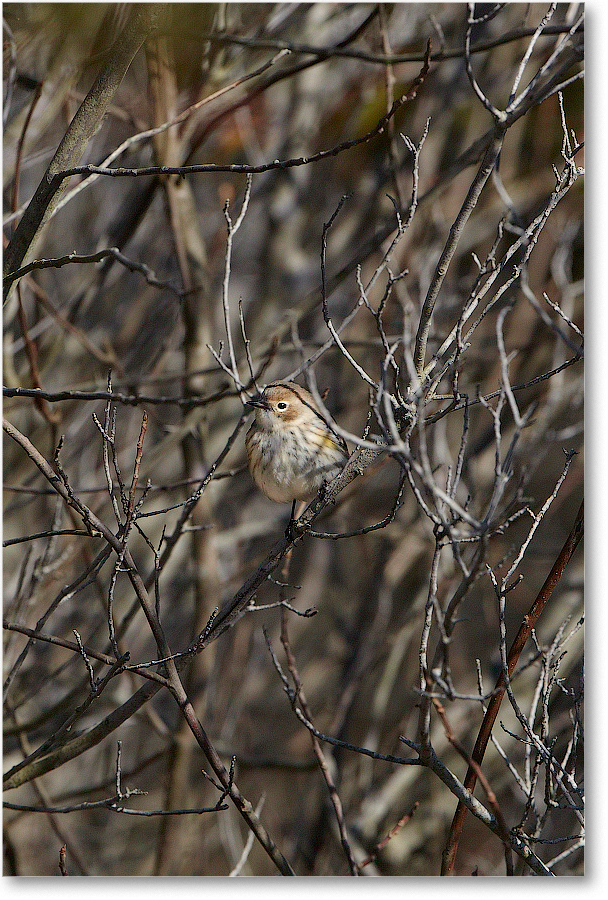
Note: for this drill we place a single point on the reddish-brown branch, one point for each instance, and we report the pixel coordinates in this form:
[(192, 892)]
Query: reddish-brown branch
[(403, 821), (440, 709), (530, 620), (53, 418)]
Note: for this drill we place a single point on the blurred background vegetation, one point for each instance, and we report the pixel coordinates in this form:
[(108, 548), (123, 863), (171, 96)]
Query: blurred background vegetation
[(279, 82)]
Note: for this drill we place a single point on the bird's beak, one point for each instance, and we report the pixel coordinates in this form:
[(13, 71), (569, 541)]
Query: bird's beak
[(258, 403)]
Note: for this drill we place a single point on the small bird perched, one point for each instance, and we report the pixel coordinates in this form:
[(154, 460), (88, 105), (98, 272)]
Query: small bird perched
[(292, 451)]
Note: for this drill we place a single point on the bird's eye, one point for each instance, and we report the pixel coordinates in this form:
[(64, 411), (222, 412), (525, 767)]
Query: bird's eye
[(282, 405)]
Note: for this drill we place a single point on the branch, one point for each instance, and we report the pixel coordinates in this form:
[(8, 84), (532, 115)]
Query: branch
[(175, 684), (143, 20), (50, 188), (522, 636), (483, 173)]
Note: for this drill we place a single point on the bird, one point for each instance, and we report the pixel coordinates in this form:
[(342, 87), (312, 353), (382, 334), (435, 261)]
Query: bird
[(292, 451)]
